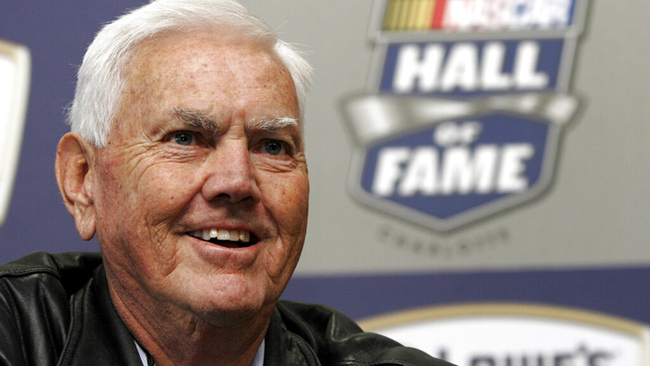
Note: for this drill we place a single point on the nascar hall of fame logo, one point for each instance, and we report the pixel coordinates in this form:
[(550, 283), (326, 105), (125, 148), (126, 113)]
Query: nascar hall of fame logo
[(14, 92), (466, 103)]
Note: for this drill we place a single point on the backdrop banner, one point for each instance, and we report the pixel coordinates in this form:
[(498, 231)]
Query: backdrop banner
[(479, 182)]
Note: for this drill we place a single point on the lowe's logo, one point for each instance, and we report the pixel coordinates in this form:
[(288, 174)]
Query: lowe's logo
[(464, 108)]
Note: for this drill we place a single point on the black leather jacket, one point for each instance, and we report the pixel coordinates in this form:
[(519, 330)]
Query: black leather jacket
[(56, 310)]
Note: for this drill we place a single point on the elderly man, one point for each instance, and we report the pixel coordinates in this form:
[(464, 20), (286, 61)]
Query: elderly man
[(187, 162)]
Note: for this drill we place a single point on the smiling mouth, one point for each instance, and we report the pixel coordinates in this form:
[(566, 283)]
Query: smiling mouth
[(226, 238)]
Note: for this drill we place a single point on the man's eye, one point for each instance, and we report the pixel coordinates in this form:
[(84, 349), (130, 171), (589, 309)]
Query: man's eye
[(273, 147), (183, 138)]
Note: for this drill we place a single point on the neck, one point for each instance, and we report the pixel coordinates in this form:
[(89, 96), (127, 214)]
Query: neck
[(175, 337)]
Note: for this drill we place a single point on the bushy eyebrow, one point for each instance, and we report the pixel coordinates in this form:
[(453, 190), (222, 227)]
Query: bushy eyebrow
[(271, 124), (195, 119), (198, 119)]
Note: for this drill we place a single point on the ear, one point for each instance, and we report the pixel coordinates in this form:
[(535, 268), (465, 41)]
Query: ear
[(75, 173)]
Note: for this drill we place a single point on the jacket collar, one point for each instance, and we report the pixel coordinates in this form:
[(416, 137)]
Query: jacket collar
[(286, 348), (96, 331)]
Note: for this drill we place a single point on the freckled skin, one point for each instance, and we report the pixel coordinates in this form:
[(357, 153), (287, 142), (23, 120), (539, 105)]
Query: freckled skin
[(176, 291)]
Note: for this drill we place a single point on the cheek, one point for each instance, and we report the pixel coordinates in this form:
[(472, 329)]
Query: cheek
[(140, 200), (164, 187), (112, 195), (287, 199)]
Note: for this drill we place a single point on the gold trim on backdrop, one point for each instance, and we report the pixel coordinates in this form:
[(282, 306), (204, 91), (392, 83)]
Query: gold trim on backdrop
[(503, 309), (8, 48)]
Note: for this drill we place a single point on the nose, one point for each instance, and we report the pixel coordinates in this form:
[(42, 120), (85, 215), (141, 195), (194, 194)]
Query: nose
[(231, 175)]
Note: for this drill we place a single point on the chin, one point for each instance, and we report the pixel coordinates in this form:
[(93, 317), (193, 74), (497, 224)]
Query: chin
[(228, 309), (229, 316)]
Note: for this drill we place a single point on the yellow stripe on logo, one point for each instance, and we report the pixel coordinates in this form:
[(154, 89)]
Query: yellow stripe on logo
[(409, 14), (391, 15), (425, 14), (404, 9)]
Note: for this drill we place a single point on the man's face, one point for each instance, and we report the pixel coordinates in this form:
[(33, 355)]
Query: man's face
[(200, 145)]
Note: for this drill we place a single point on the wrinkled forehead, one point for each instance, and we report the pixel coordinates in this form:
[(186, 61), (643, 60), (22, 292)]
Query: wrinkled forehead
[(219, 44), (231, 63)]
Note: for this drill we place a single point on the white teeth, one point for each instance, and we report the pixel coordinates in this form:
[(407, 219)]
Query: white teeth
[(234, 235), (224, 235), (220, 234)]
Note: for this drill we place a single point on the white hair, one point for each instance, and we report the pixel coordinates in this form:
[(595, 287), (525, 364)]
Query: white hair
[(101, 75)]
